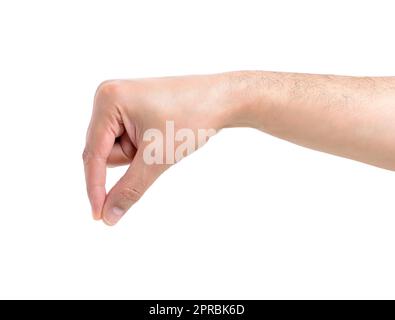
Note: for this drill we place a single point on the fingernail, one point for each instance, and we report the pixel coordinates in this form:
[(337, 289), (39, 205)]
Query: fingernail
[(113, 216)]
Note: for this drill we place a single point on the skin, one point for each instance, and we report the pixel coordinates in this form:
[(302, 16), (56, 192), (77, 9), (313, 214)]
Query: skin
[(353, 117)]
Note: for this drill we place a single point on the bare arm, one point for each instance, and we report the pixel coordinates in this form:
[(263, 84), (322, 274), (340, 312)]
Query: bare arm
[(353, 117)]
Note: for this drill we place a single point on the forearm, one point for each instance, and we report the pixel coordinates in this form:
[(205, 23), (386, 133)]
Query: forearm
[(353, 117), (348, 116)]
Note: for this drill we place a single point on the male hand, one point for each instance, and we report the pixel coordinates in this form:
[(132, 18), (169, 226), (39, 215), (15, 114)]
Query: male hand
[(351, 117), (128, 119)]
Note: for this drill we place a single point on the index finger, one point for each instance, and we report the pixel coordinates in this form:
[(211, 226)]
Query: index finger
[(99, 142)]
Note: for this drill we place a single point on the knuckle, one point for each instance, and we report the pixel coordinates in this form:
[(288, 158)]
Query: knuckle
[(109, 96), (88, 156), (85, 156), (130, 194), (109, 88), (112, 95)]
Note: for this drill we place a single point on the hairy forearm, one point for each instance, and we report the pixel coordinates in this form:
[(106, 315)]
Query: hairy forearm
[(348, 116), (353, 117)]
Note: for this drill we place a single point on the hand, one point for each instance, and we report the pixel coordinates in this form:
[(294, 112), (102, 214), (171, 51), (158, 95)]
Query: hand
[(348, 116), (133, 119)]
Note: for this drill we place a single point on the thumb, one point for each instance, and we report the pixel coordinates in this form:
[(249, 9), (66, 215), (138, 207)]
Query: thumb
[(129, 189)]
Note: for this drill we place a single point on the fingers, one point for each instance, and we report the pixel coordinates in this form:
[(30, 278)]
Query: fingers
[(129, 189), (100, 140), (95, 176), (117, 157), (122, 152)]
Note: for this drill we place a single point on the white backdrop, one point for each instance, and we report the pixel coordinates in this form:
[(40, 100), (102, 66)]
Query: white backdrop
[(247, 216)]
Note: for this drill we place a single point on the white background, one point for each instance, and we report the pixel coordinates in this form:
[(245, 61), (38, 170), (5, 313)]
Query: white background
[(247, 216)]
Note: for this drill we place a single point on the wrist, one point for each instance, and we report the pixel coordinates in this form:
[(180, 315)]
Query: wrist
[(250, 97), (246, 98)]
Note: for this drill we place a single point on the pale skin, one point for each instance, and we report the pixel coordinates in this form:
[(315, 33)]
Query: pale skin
[(353, 117)]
